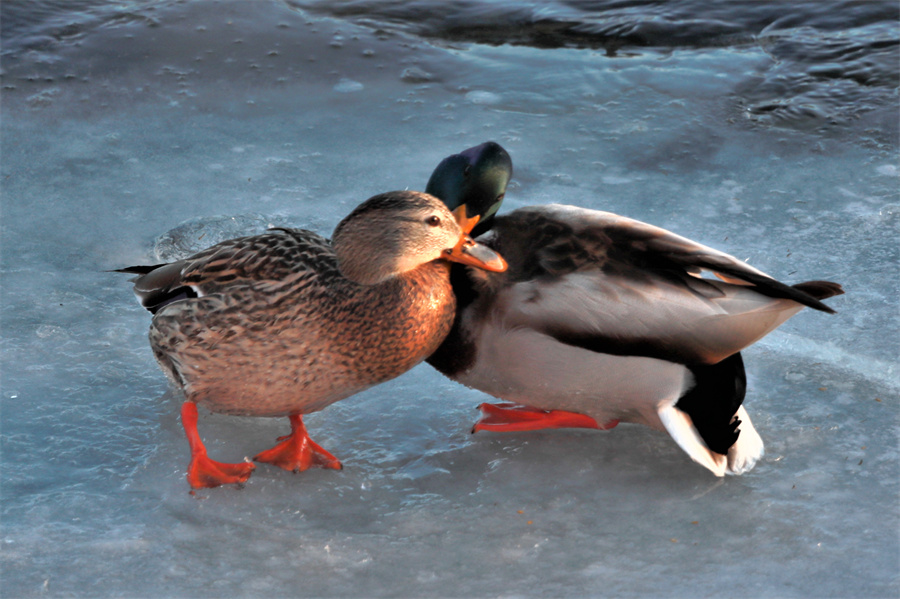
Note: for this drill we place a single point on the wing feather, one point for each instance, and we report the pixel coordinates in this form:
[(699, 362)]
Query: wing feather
[(267, 263), (615, 285)]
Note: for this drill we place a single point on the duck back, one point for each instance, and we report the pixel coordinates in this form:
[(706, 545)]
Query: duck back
[(292, 340)]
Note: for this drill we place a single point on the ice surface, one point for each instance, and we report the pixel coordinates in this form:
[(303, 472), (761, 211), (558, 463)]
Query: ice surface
[(134, 134)]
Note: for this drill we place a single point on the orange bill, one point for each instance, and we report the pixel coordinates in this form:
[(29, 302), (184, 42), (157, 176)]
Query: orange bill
[(469, 252), (465, 223)]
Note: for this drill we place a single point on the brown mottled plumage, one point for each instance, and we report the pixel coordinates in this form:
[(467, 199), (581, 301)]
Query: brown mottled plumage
[(271, 325), (255, 348)]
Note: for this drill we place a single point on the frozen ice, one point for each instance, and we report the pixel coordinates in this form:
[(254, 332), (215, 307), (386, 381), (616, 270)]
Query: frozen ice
[(137, 132), (348, 86), (484, 97), (200, 233)]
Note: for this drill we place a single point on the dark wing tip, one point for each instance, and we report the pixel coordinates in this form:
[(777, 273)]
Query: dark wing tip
[(137, 270), (156, 286), (820, 290), (809, 293)]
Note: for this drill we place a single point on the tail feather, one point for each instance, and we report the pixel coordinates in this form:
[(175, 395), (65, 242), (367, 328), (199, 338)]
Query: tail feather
[(749, 448), (803, 293), (742, 456), (712, 402), (679, 426), (159, 285), (138, 270), (820, 289)]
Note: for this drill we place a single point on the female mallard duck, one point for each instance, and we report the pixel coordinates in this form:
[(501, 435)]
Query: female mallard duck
[(601, 318), (286, 323)]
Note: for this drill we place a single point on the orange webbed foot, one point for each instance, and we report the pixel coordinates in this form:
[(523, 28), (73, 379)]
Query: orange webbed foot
[(204, 473), (511, 417), (297, 452)]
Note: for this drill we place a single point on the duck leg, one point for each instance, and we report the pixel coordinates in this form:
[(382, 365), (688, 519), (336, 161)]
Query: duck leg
[(297, 452), (508, 417), (202, 471), (511, 417)]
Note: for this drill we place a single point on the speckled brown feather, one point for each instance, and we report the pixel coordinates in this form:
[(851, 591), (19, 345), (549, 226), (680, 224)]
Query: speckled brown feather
[(286, 323), (278, 330)]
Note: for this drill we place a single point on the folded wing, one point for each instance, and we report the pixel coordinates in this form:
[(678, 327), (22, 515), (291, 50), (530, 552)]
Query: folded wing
[(616, 285), (254, 262)]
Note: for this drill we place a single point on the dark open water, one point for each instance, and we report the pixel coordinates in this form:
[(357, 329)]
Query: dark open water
[(832, 61)]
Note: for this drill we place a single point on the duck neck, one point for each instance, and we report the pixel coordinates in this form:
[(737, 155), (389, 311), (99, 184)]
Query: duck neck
[(367, 270), (367, 256)]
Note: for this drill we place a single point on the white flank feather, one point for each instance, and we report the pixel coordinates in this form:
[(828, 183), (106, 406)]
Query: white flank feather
[(749, 448), (680, 426)]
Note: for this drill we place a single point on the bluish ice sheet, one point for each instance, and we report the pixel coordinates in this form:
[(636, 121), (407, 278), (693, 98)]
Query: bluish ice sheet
[(134, 132)]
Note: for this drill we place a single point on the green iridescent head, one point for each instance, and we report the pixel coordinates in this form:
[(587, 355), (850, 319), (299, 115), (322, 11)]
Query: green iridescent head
[(476, 178)]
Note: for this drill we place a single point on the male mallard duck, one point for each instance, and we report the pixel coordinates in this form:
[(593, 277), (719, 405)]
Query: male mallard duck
[(601, 318), (286, 323)]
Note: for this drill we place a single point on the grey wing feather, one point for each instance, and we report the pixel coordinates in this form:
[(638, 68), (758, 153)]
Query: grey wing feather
[(582, 235), (614, 285)]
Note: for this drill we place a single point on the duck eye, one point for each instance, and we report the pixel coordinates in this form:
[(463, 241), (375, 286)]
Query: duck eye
[(433, 220)]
